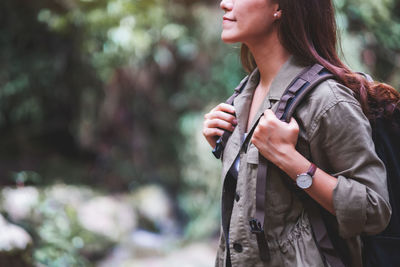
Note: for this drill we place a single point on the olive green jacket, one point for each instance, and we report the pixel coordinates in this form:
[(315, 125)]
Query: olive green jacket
[(336, 136)]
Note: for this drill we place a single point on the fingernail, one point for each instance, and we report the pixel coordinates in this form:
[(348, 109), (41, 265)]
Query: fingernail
[(235, 121)]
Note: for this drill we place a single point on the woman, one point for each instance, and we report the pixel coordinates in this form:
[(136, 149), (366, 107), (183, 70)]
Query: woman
[(279, 39)]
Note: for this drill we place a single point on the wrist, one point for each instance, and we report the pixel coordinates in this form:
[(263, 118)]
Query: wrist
[(293, 163)]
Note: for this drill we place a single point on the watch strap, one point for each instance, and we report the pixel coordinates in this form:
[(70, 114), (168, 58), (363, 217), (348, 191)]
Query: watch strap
[(311, 171)]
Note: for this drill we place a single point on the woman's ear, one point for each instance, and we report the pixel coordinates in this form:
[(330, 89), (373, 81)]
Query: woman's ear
[(278, 14), (277, 11)]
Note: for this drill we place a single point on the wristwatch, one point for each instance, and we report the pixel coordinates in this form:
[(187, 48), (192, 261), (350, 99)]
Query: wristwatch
[(304, 180)]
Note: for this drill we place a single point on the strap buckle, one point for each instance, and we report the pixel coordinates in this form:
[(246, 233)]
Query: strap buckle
[(255, 226), (219, 147), (258, 230)]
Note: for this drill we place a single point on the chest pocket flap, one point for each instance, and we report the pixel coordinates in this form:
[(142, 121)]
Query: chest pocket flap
[(252, 154)]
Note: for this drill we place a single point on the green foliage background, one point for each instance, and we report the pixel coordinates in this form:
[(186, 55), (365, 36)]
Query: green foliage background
[(110, 93)]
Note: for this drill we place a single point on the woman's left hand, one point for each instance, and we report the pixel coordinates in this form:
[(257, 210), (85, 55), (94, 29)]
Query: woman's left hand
[(274, 138)]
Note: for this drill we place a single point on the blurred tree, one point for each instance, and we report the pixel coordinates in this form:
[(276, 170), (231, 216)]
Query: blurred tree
[(103, 84), (374, 25), (40, 85)]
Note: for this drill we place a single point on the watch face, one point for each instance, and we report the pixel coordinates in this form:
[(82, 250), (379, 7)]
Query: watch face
[(304, 181)]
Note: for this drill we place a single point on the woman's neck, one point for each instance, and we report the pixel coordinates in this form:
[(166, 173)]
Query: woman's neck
[(269, 55)]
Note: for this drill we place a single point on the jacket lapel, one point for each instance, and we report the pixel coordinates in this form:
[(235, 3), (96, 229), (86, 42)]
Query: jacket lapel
[(281, 82), (242, 105), (286, 74)]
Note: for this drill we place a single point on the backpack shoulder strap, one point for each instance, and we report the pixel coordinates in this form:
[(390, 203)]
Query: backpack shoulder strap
[(299, 88), (221, 142), (237, 90)]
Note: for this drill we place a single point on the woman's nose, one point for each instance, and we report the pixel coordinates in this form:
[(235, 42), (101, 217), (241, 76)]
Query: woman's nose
[(226, 5)]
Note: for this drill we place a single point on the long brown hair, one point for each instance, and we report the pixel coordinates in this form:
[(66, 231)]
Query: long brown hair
[(307, 30)]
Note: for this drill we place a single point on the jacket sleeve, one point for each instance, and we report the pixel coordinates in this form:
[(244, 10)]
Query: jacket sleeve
[(342, 144)]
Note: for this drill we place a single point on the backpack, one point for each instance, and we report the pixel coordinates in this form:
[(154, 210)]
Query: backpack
[(378, 250), (384, 249)]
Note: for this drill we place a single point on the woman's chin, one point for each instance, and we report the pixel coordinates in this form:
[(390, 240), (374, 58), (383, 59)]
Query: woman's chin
[(226, 38)]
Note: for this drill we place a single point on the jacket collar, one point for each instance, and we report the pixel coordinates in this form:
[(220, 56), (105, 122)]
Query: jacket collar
[(285, 76), (289, 70)]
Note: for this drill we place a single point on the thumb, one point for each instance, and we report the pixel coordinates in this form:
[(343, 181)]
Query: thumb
[(293, 124)]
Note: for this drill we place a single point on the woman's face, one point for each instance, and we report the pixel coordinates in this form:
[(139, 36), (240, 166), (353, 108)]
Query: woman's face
[(247, 21)]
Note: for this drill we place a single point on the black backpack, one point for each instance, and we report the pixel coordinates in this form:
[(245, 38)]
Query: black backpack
[(384, 249), (378, 250)]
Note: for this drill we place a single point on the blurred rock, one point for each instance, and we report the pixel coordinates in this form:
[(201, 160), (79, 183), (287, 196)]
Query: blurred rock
[(140, 244), (69, 194), (59, 227), (12, 236), (107, 216), (18, 202), (155, 207), (147, 244), (193, 255), (15, 245)]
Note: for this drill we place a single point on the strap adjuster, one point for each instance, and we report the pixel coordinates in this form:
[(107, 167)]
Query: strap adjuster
[(256, 227), (217, 151)]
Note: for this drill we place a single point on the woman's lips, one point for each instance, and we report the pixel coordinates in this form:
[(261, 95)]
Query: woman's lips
[(227, 19)]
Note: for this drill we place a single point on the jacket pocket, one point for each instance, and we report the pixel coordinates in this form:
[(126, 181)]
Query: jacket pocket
[(299, 247)]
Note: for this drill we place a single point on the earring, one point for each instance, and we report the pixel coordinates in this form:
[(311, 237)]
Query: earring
[(276, 15)]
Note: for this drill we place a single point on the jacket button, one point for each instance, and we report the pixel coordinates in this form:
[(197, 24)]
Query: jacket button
[(237, 247), (237, 197)]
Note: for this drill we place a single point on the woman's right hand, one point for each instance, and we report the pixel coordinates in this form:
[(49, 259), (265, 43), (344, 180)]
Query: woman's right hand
[(220, 118)]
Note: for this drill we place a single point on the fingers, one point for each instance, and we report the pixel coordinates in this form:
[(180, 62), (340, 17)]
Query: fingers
[(270, 125), (220, 118), (293, 125), (269, 115), (212, 132), (224, 107), (221, 115), (218, 123), (267, 121)]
